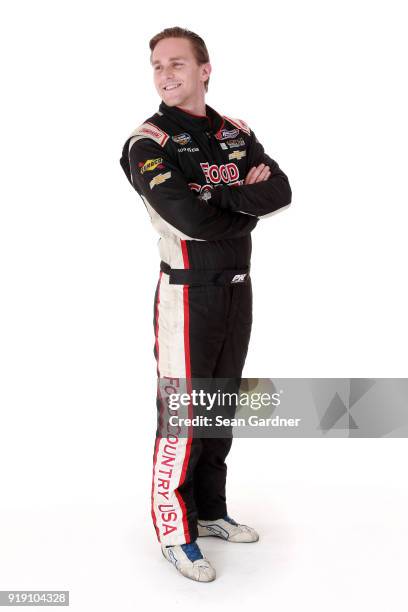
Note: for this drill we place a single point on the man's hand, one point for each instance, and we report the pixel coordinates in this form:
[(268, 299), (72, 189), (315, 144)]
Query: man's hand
[(257, 174)]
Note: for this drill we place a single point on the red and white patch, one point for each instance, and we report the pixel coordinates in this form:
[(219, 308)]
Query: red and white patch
[(149, 130), (239, 124)]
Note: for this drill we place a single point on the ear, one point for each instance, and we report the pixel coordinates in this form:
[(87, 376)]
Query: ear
[(205, 71)]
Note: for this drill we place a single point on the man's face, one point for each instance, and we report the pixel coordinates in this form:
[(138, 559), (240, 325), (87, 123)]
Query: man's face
[(178, 78)]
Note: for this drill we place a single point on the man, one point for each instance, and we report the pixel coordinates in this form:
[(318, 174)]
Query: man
[(205, 181)]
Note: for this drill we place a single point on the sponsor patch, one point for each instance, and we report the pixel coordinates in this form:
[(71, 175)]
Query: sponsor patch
[(226, 173), (149, 130), (238, 142), (160, 178), (181, 139), (224, 134), (188, 150), (237, 155), (151, 164), (238, 278)]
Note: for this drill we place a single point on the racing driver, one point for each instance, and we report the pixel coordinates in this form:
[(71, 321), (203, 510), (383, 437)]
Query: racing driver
[(205, 181)]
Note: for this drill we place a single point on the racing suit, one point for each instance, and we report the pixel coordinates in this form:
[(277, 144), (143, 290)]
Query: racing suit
[(189, 171)]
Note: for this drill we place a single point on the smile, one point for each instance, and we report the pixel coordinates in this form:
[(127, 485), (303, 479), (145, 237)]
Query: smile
[(170, 87)]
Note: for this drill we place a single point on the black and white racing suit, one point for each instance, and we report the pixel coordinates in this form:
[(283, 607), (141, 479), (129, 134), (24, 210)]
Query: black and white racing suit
[(189, 171)]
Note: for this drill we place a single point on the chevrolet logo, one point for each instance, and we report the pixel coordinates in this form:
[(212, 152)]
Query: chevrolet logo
[(160, 178), (237, 155)]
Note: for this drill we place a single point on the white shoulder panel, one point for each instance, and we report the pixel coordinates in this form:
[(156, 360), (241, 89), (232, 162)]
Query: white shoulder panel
[(149, 130), (239, 124)]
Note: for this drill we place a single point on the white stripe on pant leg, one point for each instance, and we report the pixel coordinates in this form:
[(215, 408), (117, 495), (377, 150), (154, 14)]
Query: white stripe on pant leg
[(172, 450)]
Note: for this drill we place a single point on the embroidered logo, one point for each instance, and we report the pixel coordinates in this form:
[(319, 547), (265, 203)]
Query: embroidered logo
[(238, 142), (188, 150), (226, 173), (151, 164), (238, 278), (160, 178), (224, 134), (237, 155), (181, 139)]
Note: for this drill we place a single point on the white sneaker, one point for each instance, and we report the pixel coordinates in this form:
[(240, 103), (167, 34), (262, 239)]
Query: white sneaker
[(227, 529), (189, 561)]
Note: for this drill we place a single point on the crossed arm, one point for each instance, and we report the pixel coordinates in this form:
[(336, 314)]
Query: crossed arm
[(265, 190)]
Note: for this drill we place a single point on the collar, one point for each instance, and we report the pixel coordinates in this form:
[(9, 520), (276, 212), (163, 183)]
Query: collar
[(195, 123)]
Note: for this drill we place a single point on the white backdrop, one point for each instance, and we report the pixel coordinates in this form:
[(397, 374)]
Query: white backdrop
[(323, 85)]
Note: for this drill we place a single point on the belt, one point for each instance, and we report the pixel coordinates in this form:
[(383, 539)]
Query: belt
[(204, 277)]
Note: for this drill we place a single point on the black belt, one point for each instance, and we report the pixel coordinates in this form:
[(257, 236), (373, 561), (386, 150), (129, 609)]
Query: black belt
[(179, 276)]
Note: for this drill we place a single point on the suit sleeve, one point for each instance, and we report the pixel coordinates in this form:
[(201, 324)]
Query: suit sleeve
[(160, 181), (260, 199)]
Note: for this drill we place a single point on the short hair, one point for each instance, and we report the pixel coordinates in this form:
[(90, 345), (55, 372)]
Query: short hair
[(199, 47)]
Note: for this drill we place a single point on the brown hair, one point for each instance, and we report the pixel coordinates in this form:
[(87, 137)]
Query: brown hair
[(199, 48)]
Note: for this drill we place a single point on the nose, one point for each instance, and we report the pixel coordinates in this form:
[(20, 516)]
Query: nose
[(168, 72)]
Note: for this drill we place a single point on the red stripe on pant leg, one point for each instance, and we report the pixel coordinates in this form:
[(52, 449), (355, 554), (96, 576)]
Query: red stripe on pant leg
[(186, 331), (184, 251), (186, 310), (157, 323), (184, 513), (187, 337), (188, 381)]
